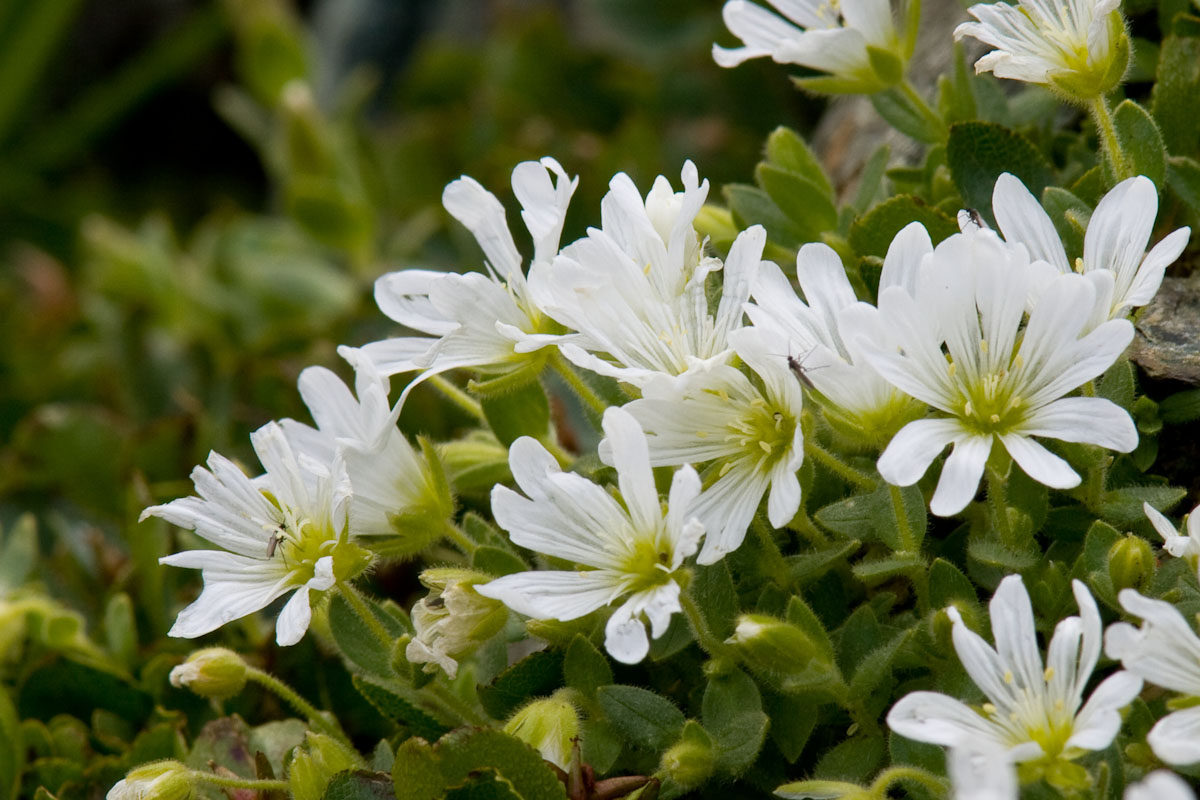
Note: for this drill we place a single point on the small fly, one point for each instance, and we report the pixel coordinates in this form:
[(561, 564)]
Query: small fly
[(796, 365), (976, 219), (278, 536)]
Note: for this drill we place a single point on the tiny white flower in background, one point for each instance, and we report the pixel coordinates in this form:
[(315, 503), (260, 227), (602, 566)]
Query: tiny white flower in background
[(473, 319), (1160, 785), (997, 379), (158, 780), (1115, 241), (854, 397), (387, 476), (631, 550), (284, 532), (1033, 711), (750, 432), (635, 289), (825, 35), (1165, 652), (1038, 41), (1180, 545)]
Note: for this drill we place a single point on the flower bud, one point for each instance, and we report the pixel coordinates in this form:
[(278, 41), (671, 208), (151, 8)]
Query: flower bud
[(453, 620), (313, 766), (158, 780), (550, 726), (689, 762), (213, 672), (1130, 563), (771, 645)]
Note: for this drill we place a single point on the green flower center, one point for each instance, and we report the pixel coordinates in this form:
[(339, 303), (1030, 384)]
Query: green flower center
[(762, 434)]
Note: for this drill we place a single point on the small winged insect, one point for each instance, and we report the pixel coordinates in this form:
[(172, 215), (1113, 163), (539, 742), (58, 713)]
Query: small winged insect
[(796, 365), (278, 535), (975, 218)]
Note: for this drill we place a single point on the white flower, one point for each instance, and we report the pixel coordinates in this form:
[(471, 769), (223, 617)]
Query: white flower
[(996, 379), (284, 532), (854, 397), (1165, 652), (388, 479), (1160, 785), (1033, 713), (749, 431), (472, 319), (632, 549), (1180, 545), (1052, 41), (1115, 242), (635, 290), (453, 620), (825, 35)]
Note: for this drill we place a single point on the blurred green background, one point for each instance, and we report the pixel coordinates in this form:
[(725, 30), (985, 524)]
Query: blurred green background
[(195, 198)]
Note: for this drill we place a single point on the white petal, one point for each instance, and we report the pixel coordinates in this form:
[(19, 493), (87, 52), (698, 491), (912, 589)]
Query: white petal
[(293, 619), (901, 266), (1176, 737), (481, 213), (1039, 463), (914, 448), (625, 636), (1158, 785), (1014, 632), (1022, 219), (631, 457), (937, 719), (1090, 420), (1100, 719), (551, 594), (960, 475)]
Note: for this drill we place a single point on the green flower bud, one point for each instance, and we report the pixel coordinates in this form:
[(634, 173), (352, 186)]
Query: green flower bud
[(213, 672), (689, 762), (550, 726), (1130, 563), (312, 767), (454, 620), (158, 780), (771, 645)]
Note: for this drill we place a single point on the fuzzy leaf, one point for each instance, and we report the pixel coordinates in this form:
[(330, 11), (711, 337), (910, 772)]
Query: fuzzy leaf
[(1141, 142), (872, 233), (717, 597), (804, 202), (537, 674), (585, 668), (12, 750), (1176, 94), (360, 785), (1123, 507), (787, 150), (644, 718), (751, 205), (524, 411), (400, 708), (732, 712), (978, 152)]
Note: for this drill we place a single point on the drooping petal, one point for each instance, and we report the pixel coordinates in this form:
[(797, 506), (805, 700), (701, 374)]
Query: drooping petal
[(914, 448), (960, 476), (938, 719), (552, 594), (1176, 737)]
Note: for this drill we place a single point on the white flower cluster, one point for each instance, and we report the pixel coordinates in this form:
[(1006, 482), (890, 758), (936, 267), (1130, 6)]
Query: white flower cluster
[(974, 342)]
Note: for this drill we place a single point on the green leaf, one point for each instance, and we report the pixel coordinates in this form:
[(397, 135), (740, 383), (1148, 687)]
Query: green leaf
[(876, 570), (355, 640), (793, 718), (1176, 94), (524, 411), (993, 553), (872, 233), (12, 749), (1123, 507), (821, 790), (875, 666), (360, 785), (886, 65), (805, 203), (854, 759), (602, 744), (787, 150), (870, 180), (1070, 216), (956, 99), (1141, 142), (401, 708), (799, 614), (856, 517), (464, 752), (19, 553), (716, 596), (978, 152), (948, 585), (415, 773), (1117, 384), (120, 629), (495, 561), (915, 519), (1099, 542), (751, 205), (732, 712), (810, 566), (1180, 407), (913, 119), (1183, 176), (537, 674), (585, 668), (644, 718)]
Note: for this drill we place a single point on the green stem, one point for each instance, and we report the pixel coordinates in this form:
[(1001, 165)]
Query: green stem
[(997, 496), (908, 539), (555, 449), (893, 774), (572, 378), (775, 565), (803, 524), (456, 705), (458, 397), (359, 605), (704, 636), (831, 462), (1109, 141), (913, 96), (290, 696), (460, 539), (228, 782)]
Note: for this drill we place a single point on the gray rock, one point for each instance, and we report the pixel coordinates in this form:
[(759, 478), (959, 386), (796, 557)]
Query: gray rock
[(1167, 344)]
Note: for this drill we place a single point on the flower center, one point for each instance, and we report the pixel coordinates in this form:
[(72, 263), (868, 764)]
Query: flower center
[(648, 563), (300, 541), (989, 399), (762, 433)]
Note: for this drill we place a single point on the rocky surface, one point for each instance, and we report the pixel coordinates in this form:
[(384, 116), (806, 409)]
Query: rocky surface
[(1167, 344)]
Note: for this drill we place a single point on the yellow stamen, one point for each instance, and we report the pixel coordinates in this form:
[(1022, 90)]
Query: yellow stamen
[(1008, 676), (1049, 673)]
